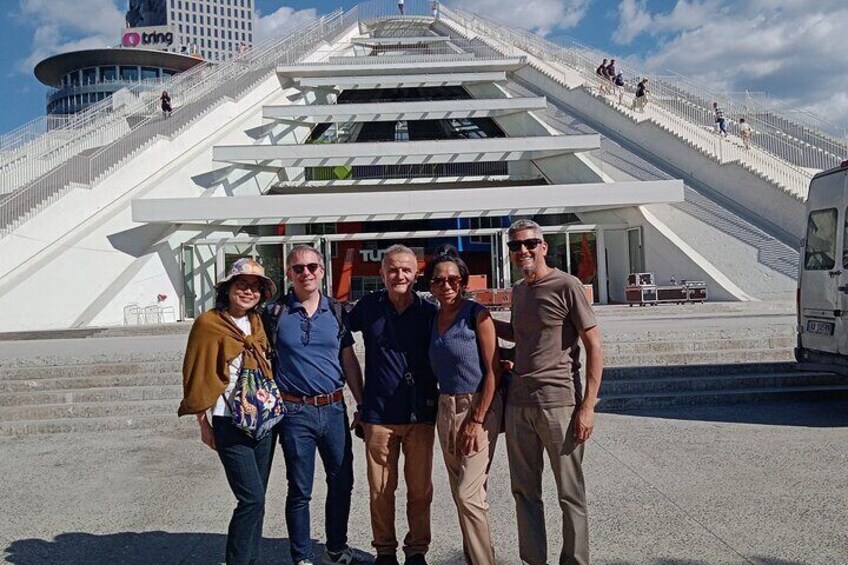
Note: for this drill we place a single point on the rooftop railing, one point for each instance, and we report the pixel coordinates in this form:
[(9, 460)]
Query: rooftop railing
[(193, 94), (782, 150), (100, 123)]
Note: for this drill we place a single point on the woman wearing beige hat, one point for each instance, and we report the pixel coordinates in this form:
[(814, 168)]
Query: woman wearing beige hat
[(222, 343)]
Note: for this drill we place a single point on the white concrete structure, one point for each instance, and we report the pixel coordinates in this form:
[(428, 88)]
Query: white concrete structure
[(323, 143)]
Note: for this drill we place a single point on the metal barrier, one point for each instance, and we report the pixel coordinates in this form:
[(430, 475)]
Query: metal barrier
[(110, 119), (193, 94), (782, 150)]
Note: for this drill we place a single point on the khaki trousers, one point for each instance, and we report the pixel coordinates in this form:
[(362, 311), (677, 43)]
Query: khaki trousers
[(467, 475), (383, 445), (530, 431)]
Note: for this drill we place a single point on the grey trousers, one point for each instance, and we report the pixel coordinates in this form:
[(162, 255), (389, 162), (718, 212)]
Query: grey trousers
[(531, 430)]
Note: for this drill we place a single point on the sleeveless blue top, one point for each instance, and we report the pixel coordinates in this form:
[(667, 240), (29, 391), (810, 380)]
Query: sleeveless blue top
[(454, 355)]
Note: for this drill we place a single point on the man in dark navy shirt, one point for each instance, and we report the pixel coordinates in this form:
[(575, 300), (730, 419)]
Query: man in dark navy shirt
[(314, 358), (399, 404)]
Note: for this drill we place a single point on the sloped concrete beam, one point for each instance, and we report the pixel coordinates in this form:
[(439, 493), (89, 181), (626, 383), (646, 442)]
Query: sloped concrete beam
[(398, 67), (392, 111), (406, 204), (407, 152), (400, 81)]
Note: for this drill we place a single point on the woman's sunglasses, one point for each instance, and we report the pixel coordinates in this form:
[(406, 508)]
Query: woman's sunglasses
[(452, 280), (298, 269), (531, 244)]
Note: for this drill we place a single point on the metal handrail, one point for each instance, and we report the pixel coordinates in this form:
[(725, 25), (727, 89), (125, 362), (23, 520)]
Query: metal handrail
[(780, 159), (227, 80), (58, 145)]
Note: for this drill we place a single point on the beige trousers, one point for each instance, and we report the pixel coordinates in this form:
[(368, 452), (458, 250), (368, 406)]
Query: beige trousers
[(383, 445), (531, 431), (467, 474)]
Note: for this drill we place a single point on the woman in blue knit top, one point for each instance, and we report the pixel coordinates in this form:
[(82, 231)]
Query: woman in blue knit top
[(464, 358)]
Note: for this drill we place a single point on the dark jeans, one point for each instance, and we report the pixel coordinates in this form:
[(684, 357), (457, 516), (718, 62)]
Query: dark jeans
[(247, 463), (305, 429)]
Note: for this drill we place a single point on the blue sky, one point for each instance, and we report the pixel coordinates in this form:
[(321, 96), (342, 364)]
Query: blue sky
[(790, 49)]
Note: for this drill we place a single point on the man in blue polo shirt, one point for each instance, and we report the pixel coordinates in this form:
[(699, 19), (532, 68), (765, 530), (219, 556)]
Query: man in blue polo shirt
[(399, 406), (314, 357)]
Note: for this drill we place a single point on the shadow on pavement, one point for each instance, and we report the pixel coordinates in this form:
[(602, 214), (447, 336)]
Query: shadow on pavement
[(136, 548), (752, 559), (811, 414)]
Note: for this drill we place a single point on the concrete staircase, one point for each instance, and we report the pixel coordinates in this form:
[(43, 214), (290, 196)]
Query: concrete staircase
[(757, 261), (565, 69), (88, 397), (634, 388), (648, 366)]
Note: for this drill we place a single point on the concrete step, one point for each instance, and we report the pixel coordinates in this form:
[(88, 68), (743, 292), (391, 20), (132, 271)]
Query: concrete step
[(99, 331), (89, 381), (126, 409), (89, 369), (724, 383), (628, 402), (698, 357), (88, 425), (692, 345), (697, 371), (88, 395)]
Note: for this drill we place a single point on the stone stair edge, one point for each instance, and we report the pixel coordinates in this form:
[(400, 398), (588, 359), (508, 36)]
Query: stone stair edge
[(104, 390), (717, 377), (97, 331), (58, 361), (85, 410), (731, 392), (21, 428), (71, 384), (720, 384)]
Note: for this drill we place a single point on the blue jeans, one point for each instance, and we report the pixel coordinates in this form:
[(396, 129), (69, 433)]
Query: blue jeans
[(247, 464), (305, 429)]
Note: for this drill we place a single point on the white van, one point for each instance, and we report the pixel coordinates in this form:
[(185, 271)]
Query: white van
[(823, 274)]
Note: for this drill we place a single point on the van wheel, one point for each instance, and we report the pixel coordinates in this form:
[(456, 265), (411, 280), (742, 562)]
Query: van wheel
[(800, 354)]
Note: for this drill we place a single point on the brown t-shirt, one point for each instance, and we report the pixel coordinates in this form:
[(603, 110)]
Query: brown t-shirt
[(547, 315)]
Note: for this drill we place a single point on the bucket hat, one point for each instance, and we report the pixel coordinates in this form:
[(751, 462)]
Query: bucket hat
[(249, 266)]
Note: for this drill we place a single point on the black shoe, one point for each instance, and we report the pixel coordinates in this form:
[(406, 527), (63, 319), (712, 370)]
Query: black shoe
[(386, 559), (415, 559)]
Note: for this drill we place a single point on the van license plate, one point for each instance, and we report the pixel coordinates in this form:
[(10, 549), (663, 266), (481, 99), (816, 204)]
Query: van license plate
[(820, 328)]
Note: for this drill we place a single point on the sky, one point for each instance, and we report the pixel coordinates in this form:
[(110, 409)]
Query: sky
[(790, 50)]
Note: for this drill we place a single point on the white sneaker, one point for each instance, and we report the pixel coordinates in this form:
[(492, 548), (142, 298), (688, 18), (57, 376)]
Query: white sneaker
[(304, 562), (344, 557)]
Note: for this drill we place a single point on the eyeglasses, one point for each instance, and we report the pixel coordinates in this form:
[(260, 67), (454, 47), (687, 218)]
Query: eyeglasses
[(531, 244), (306, 328), (298, 269), (248, 287), (452, 280)]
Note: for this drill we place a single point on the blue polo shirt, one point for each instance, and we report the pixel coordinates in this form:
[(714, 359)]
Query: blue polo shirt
[(307, 356), (396, 345)]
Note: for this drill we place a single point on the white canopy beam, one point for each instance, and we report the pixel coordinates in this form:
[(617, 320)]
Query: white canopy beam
[(406, 204)]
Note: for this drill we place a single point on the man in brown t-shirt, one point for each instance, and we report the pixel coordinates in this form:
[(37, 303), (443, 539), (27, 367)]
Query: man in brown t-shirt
[(547, 410)]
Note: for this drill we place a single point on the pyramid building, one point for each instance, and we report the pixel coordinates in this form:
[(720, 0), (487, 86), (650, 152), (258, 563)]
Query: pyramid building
[(366, 128)]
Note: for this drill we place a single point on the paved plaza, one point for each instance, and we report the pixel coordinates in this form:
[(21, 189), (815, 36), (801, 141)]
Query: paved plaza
[(758, 484), (764, 484)]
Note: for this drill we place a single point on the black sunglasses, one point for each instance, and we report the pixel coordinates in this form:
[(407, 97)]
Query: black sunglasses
[(531, 244), (298, 269), (451, 280)]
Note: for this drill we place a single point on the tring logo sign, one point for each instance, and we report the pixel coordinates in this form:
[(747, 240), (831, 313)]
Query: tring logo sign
[(155, 37)]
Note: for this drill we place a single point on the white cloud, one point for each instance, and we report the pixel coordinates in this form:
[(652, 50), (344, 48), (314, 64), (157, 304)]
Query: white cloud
[(67, 25), (635, 19), (283, 19), (790, 50), (541, 16)]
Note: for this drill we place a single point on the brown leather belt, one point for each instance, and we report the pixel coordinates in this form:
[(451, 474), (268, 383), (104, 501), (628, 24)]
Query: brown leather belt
[(319, 400)]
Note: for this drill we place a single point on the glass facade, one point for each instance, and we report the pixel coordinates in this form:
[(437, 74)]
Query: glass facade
[(83, 87), (217, 30)]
